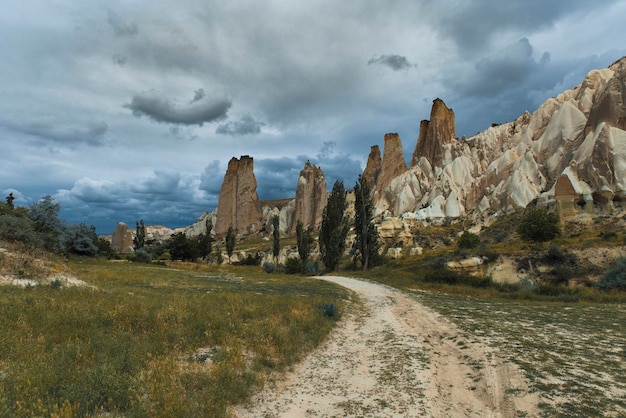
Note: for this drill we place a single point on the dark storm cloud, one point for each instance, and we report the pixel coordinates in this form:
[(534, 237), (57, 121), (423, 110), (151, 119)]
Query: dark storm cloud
[(395, 62), (157, 107), (59, 130), (473, 25), (496, 74), (120, 26), (167, 197), (211, 178), (247, 125)]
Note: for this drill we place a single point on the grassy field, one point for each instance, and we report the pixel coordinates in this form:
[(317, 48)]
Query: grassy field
[(573, 354), (153, 341)]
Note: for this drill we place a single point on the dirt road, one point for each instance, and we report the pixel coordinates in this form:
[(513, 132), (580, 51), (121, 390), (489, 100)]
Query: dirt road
[(392, 357)]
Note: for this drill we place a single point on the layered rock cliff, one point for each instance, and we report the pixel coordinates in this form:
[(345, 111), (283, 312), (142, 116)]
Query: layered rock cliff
[(575, 141), (239, 206)]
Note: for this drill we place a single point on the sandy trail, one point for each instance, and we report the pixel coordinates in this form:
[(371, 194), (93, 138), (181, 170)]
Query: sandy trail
[(390, 356)]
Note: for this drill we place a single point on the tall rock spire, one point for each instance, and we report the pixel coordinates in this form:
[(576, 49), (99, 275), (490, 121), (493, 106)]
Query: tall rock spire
[(393, 163), (435, 134), (239, 206), (311, 197)]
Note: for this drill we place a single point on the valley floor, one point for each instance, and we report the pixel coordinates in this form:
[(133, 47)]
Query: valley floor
[(392, 356)]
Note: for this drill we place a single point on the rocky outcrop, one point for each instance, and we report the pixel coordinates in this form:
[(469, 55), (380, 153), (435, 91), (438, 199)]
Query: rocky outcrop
[(239, 206), (311, 197), (122, 239), (373, 166), (570, 153), (435, 134), (393, 163)]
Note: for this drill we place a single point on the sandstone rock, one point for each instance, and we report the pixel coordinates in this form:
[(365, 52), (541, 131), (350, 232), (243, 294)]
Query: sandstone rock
[(434, 134), (239, 206), (311, 197), (393, 163), (373, 166), (122, 239)]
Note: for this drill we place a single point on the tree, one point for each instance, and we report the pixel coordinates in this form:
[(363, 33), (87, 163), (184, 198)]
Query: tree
[(80, 239), (205, 241), (276, 235), (10, 199), (539, 225), (334, 227), (231, 240), (139, 241), (182, 248), (45, 215), (366, 245), (304, 241)]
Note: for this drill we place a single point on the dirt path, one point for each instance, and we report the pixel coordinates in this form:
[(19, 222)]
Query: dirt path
[(392, 357)]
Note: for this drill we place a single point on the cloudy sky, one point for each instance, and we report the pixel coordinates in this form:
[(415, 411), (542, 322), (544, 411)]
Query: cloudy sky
[(124, 110)]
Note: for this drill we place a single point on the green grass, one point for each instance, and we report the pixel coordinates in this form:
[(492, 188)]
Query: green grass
[(150, 341)]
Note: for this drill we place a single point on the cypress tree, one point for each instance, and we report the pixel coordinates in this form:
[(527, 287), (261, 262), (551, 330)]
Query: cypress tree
[(334, 227)]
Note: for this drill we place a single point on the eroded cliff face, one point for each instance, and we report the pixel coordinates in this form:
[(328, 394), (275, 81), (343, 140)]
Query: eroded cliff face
[(576, 139), (239, 206), (311, 197)]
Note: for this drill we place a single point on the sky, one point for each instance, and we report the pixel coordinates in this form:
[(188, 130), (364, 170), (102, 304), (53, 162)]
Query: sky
[(128, 110)]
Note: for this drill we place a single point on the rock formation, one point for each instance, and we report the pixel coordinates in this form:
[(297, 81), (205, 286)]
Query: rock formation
[(239, 206), (122, 239), (373, 167), (311, 197), (393, 163), (435, 134), (571, 153)]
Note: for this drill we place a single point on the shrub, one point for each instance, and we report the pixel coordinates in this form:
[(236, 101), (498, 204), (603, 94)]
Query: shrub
[(608, 235), (18, 229), (468, 240), (312, 268), (615, 277), (141, 256), (556, 255), (293, 266), (329, 310), (269, 267), (539, 225), (250, 260)]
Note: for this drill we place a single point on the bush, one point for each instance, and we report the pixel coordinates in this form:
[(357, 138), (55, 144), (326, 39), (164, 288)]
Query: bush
[(141, 256), (329, 310), (17, 229), (250, 260), (615, 277), (269, 267), (556, 255), (312, 268), (539, 225), (468, 240), (293, 266)]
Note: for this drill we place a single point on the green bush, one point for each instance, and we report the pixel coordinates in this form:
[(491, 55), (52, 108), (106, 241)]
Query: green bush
[(468, 240), (539, 225), (615, 277), (250, 260), (312, 268), (269, 267), (293, 266)]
